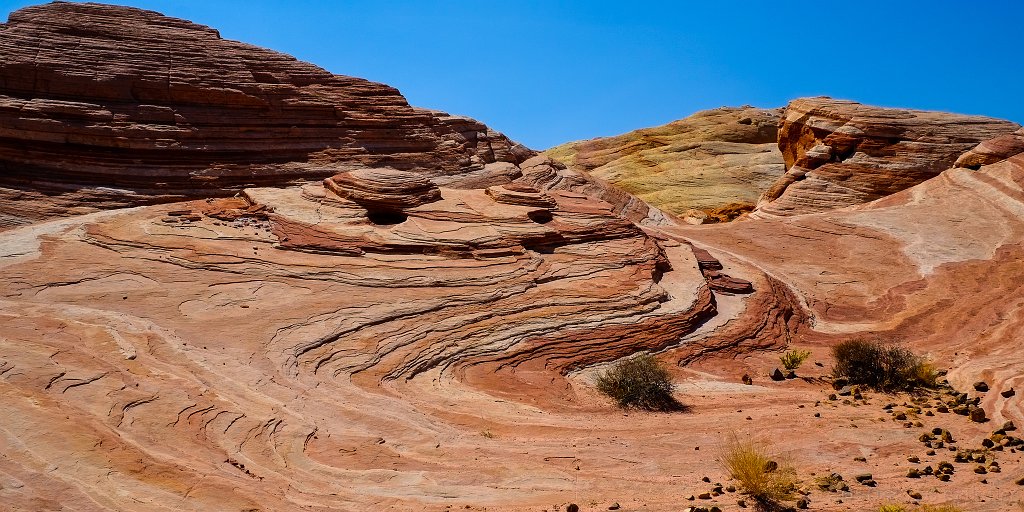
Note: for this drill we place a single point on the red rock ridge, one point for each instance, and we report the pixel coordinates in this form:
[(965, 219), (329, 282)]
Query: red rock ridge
[(839, 153), (115, 106)]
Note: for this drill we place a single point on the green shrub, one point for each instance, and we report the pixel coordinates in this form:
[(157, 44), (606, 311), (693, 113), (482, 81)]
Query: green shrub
[(792, 359), (640, 382), (762, 478), (881, 366)]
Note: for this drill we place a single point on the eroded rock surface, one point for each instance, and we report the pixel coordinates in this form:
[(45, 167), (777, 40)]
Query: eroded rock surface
[(717, 162), (255, 351), (409, 338), (104, 106), (839, 153)]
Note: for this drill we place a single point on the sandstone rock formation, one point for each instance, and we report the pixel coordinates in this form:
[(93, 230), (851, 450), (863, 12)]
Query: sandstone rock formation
[(103, 106), (839, 153), (993, 150), (407, 338), (717, 161)]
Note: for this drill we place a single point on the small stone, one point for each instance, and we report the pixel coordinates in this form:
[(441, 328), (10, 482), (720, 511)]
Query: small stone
[(981, 386), (802, 503), (930, 452), (704, 496), (913, 473), (731, 488), (914, 458), (942, 408), (863, 477), (978, 415), (1020, 481), (846, 391), (614, 506), (747, 380), (714, 509), (706, 479), (817, 415), (777, 375), (743, 503), (572, 508), (1007, 393), (980, 470), (987, 443), (1008, 427), (861, 459), (914, 494)]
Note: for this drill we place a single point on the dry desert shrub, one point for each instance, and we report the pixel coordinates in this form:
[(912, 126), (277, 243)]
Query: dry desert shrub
[(881, 366), (640, 382), (758, 473)]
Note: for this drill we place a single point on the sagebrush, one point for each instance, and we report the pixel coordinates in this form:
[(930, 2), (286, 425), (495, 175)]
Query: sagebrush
[(884, 367), (640, 382)]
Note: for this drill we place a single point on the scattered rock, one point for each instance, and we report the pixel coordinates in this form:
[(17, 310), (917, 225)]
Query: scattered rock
[(977, 415), (981, 386), (1007, 393), (777, 375)]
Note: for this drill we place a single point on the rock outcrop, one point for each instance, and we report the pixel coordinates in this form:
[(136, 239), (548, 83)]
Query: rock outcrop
[(254, 349), (993, 151), (839, 153), (104, 106), (392, 337), (708, 167)]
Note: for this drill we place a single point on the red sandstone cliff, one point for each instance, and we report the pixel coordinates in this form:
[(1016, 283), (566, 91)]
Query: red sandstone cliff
[(110, 106)]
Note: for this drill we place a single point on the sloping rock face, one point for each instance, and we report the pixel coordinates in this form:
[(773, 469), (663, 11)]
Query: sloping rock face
[(252, 352), (717, 161), (993, 151), (104, 106), (839, 153)]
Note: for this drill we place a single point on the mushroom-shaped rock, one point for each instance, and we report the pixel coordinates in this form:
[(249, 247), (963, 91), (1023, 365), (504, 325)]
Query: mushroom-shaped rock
[(520, 195), (384, 189)]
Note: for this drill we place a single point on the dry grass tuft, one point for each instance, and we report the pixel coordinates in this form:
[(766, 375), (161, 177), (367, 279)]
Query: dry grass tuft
[(922, 508), (759, 475)]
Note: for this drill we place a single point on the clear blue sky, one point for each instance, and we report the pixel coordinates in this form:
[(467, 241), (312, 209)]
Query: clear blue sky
[(547, 72)]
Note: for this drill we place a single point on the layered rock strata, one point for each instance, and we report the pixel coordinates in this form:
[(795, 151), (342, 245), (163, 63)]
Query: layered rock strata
[(839, 153), (104, 106), (709, 167)]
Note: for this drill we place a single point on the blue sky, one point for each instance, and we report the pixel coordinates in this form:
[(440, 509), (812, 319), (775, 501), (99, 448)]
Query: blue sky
[(547, 72)]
